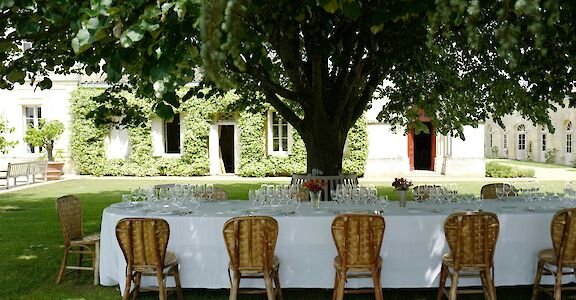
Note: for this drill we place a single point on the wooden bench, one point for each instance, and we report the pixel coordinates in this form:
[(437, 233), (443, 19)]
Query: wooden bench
[(24, 172)]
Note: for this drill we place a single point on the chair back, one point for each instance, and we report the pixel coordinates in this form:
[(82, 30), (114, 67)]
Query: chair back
[(488, 191), (143, 242), (70, 215), (563, 230), (358, 238), (250, 241), (472, 238)]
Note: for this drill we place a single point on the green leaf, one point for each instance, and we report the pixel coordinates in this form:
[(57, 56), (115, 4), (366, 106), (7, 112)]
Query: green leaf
[(330, 6), (352, 9), (82, 40), (164, 111), (16, 76), (377, 28), (6, 3), (131, 35), (45, 84)]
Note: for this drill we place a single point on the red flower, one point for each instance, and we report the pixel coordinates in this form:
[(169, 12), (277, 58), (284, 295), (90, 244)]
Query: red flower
[(401, 184), (315, 185)]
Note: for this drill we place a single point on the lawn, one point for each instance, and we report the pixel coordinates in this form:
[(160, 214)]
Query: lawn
[(32, 244), (526, 163)]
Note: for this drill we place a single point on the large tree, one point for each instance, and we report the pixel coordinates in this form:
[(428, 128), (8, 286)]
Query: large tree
[(319, 63)]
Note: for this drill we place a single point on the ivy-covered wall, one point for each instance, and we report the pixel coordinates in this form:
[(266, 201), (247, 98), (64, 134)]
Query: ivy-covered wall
[(88, 149)]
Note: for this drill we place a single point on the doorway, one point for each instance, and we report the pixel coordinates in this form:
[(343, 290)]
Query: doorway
[(422, 149), (226, 143)]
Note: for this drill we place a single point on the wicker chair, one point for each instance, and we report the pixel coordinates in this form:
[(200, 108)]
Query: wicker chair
[(144, 242), (488, 191), (563, 255), (75, 242), (472, 238), (250, 242), (358, 239)]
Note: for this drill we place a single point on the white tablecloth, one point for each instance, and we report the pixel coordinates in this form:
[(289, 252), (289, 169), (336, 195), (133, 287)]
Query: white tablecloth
[(412, 248)]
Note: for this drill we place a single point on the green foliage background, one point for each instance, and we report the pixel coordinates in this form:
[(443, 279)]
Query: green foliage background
[(496, 170), (197, 115)]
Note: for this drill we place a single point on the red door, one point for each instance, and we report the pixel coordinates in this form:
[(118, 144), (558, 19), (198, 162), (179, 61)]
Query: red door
[(431, 146)]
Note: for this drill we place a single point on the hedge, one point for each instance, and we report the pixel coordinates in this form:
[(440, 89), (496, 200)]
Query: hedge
[(496, 170)]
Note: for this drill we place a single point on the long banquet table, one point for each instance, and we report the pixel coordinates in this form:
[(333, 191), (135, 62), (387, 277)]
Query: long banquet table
[(412, 248)]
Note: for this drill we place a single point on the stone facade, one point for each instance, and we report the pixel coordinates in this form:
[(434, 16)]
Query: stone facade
[(520, 139)]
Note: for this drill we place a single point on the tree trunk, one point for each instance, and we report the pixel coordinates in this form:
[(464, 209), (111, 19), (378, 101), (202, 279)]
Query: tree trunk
[(324, 147), (49, 148)]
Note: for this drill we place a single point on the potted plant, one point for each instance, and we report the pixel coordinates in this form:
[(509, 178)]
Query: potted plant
[(44, 136)]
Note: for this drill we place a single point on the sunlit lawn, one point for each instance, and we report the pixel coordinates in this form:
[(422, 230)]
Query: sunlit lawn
[(31, 244), (525, 163)]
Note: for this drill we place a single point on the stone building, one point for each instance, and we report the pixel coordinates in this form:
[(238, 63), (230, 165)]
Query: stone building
[(521, 140)]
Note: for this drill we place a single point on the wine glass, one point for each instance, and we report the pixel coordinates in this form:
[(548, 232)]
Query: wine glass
[(209, 190)]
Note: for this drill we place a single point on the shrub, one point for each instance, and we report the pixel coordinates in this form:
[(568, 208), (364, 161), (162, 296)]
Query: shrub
[(496, 170), (550, 155)]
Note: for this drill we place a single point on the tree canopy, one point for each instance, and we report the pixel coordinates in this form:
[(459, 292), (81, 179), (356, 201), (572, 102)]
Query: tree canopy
[(319, 63)]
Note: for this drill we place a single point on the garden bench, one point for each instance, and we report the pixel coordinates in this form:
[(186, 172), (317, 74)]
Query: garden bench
[(30, 171)]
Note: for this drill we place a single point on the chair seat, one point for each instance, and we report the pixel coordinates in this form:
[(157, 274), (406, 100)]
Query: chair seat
[(449, 261), (88, 239), (170, 260), (356, 268), (275, 265), (548, 257)]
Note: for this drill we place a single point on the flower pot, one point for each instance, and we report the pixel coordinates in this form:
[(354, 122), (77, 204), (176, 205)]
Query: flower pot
[(403, 197), (55, 170), (315, 198)]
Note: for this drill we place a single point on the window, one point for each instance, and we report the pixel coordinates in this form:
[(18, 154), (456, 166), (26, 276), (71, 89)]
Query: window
[(279, 132), (505, 142), (543, 142), (521, 137), (32, 117), (569, 137), (172, 135)]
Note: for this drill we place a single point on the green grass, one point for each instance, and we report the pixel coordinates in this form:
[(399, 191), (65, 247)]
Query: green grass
[(31, 244), (529, 163)]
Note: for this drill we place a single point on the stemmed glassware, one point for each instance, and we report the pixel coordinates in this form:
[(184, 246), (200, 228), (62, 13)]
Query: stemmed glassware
[(209, 190)]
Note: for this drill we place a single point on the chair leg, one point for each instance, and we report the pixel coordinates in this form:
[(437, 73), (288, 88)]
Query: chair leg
[(62, 266), (341, 285), (442, 283), (558, 284), (137, 280), (537, 279), (485, 285), (377, 285), (161, 285), (454, 285), (178, 287), (336, 281), (96, 263), (128, 285), (491, 286), (235, 285), (277, 285), (269, 287)]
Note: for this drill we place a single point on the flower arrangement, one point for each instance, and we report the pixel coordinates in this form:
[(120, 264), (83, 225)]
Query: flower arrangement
[(314, 185), (401, 184)]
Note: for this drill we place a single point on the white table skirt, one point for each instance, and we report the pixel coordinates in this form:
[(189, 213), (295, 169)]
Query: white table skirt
[(412, 248)]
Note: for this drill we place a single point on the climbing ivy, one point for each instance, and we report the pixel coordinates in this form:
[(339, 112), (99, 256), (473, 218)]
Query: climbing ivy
[(197, 116)]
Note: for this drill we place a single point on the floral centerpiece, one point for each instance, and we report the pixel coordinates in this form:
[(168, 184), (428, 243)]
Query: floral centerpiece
[(315, 187), (401, 184)]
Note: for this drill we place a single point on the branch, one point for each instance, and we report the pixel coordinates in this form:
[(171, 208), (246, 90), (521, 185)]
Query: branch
[(264, 77), (376, 77), (288, 49), (284, 110)]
